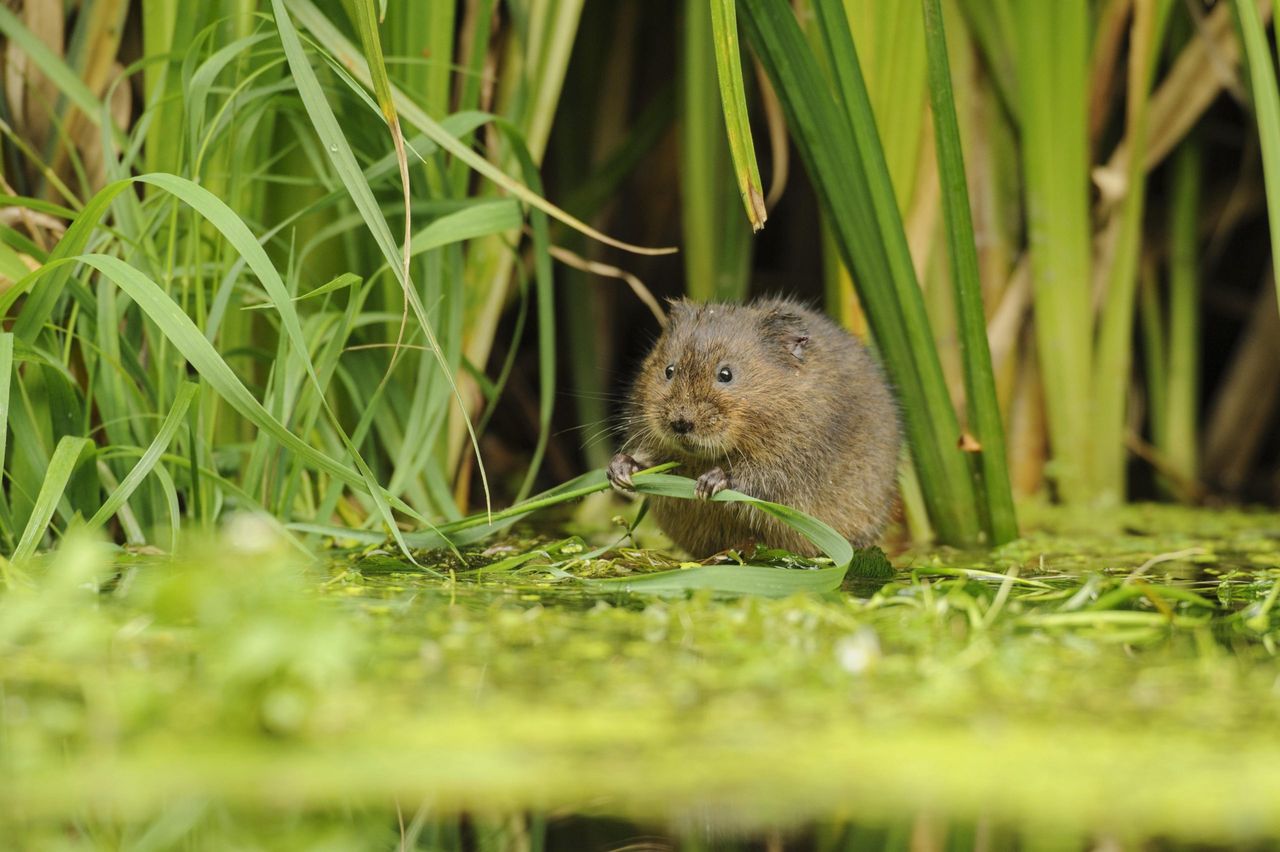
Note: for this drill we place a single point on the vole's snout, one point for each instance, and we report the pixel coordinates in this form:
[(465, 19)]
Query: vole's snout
[(681, 425)]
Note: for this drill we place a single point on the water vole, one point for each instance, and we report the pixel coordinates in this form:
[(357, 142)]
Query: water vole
[(770, 399)]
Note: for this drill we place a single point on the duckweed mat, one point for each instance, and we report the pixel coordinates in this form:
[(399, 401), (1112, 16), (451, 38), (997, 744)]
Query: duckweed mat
[(1105, 678)]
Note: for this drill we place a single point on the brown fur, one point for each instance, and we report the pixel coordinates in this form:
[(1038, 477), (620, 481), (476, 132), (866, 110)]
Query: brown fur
[(807, 420)]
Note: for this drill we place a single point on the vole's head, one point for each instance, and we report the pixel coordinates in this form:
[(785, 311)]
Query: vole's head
[(721, 377)]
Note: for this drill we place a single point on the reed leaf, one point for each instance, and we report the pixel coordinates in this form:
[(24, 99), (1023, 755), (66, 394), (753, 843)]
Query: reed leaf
[(1113, 360), (172, 422), (733, 98), (1266, 106), (1180, 443), (6, 379), (993, 488), (830, 542), (837, 141), (1052, 53), (717, 246), (66, 457), (366, 19), (893, 58)]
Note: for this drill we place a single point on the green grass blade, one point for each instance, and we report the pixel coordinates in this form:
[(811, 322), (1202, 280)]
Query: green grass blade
[(1266, 105), (62, 465), (39, 205), (174, 513), (891, 47), (147, 462), (1182, 374), (1155, 354), (6, 377), (733, 98), (366, 18), (546, 311), (1052, 48), (700, 135), (716, 243), (943, 469), (346, 279), (428, 28), (222, 217), (1113, 362), (992, 25), (335, 143), (980, 388), (553, 25), (476, 220), (823, 536), (168, 30)]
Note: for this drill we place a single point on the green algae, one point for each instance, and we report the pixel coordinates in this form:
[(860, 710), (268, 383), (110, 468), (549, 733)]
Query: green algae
[(1119, 682)]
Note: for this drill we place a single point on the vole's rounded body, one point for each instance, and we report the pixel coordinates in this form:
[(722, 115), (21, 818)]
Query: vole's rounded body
[(773, 400)]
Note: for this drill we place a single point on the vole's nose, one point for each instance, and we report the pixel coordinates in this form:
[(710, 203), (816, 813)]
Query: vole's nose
[(681, 426)]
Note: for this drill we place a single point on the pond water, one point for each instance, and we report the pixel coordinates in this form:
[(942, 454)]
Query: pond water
[(1100, 682)]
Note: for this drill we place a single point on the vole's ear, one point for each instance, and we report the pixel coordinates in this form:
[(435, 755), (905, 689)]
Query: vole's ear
[(787, 330), (679, 310)]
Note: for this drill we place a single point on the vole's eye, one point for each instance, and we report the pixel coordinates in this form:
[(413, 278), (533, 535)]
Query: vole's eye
[(724, 375), (671, 370)]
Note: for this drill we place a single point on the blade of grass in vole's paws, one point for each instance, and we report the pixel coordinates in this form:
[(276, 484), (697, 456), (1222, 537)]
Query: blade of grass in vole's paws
[(619, 472)]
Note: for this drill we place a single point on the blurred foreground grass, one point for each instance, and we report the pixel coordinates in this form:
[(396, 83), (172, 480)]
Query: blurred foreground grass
[(1121, 686)]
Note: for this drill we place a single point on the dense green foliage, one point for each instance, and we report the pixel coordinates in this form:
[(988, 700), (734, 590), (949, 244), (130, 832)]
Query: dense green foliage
[(343, 243)]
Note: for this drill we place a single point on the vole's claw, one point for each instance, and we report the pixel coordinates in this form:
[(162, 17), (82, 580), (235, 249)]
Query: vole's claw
[(621, 466), (711, 483)]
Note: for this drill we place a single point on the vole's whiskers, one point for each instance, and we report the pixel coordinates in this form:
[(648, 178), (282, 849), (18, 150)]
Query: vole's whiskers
[(646, 435), (612, 427), (615, 426), (612, 423), (603, 396), (598, 437)]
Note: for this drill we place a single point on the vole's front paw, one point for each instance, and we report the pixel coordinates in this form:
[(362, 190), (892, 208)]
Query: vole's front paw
[(711, 483), (621, 466)]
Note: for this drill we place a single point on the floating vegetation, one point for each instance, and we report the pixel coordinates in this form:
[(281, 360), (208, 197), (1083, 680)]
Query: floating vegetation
[(1117, 685)]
